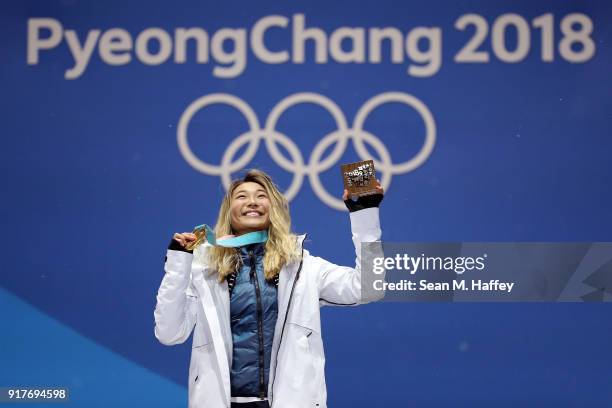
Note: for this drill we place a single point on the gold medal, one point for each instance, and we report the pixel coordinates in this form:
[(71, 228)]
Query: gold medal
[(200, 233)]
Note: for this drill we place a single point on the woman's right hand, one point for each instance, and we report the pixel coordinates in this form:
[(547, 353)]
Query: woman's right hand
[(184, 238)]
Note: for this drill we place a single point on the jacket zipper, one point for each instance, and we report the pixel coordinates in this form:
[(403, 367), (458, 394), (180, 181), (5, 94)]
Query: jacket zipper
[(262, 390), (280, 341)]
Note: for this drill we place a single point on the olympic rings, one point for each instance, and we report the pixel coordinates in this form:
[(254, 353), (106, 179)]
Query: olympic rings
[(315, 165)]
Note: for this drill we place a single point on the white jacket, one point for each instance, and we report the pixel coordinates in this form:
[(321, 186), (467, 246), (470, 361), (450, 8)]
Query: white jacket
[(190, 296)]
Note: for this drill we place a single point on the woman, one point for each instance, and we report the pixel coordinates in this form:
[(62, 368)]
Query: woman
[(252, 300)]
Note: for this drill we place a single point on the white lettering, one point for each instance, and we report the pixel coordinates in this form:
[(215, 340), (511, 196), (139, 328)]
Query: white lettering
[(377, 35), (36, 43), (377, 266), (257, 40), (112, 41), (81, 55), (181, 36), (300, 35), (432, 56), (237, 57), (142, 46), (458, 285), (357, 40)]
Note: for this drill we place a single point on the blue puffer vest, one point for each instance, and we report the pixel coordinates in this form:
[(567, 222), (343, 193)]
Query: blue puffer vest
[(254, 309)]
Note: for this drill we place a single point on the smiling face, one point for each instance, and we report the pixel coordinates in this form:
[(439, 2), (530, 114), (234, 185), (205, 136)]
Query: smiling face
[(249, 208)]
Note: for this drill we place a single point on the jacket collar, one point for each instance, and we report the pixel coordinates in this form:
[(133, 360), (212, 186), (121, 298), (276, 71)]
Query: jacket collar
[(300, 241), (255, 249)]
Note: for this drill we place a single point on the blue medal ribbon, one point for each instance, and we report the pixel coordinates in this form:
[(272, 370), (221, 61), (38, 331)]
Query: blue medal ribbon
[(254, 237)]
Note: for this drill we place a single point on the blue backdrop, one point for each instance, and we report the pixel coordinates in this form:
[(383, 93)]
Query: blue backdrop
[(489, 121)]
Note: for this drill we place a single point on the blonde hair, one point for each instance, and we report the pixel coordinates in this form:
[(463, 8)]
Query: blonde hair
[(281, 246)]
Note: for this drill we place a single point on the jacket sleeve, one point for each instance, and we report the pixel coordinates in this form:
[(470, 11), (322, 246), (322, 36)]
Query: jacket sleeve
[(176, 308), (341, 285)]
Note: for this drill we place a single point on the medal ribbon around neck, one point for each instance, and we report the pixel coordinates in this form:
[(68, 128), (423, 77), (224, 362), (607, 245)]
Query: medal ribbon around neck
[(204, 232)]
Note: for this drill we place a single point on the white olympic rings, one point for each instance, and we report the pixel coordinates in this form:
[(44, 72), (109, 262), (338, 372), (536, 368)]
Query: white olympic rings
[(315, 163)]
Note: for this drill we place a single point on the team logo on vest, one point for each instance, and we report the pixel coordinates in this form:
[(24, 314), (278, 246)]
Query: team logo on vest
[(316, 163)]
